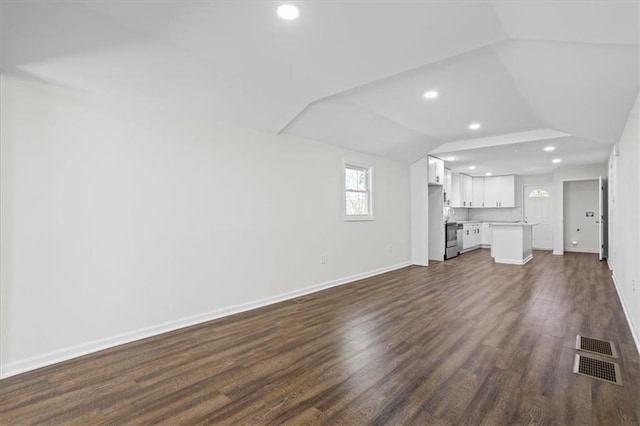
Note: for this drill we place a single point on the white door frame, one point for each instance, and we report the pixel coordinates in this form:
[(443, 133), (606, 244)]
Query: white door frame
[(603, 218), (564, 182), (524, 207)]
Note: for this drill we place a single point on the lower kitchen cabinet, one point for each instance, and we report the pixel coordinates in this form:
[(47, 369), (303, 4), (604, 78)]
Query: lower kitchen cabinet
[(471, 236), (466, 236), (485, 234)]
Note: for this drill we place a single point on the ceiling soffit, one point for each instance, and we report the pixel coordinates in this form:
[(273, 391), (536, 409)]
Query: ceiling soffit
[(345, 77)]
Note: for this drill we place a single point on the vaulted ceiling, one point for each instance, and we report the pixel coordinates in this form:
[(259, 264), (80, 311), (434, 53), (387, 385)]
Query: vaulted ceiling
[(353, 73)]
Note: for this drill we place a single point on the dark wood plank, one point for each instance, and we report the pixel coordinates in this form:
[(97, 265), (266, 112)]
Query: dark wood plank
[(461, 342)]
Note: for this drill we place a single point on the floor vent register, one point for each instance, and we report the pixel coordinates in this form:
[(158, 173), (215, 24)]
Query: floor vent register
[(594, 368), (597, 369), (596, 346)]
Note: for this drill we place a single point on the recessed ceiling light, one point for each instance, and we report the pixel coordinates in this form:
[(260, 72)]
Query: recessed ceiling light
[(556, 160), (287, 11), (474, 126), (488, 174), (472, 167), (431, 94), (549, 148), (451, 158)]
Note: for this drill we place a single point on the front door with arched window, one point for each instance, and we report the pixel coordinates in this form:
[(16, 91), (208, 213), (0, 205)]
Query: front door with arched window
[(537, 209)]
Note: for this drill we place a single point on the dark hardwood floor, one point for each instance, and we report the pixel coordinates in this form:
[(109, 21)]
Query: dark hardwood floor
[(460, 342)]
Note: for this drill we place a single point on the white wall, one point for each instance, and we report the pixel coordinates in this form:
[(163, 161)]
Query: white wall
[(560, 176), (436, 223), (624, 218), (120, 221), (420, 212), (580, 197)]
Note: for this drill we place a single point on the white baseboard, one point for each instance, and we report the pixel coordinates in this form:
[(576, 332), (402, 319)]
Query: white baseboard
[(514, 262), (558, 252), (635, 333), (470, 249), (571, 250), (53, 357)]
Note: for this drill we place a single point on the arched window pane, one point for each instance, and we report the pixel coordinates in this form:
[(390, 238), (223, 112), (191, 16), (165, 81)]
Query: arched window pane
[(539, 193)]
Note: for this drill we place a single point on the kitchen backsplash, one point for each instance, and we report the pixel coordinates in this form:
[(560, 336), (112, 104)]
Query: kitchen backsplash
[(486, 215), (460, 214), (497, 215)]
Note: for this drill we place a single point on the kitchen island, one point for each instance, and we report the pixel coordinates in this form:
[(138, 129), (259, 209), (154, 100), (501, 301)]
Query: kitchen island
[(512, 242)]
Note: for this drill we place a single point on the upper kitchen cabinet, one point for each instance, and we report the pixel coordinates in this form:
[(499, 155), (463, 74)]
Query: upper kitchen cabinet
[(456, 193), (467, 183), (461, 190), (447, 187), (478, 192), (436, 171), (499, 191)]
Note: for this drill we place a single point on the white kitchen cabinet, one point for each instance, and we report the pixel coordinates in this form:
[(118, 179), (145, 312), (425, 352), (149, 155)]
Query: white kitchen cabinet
[(478, 192), (471, 237), (477, 234), (436, 171), (491, 188), (499, 191), (507, 191), (494, 191), (456, 193), (467, 236), (467, 183), (461, 190), (447, 187), (440, 171), (485, 234)]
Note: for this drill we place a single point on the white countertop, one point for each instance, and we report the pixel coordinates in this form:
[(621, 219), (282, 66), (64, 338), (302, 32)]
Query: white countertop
[(485, 221), (513, 224)]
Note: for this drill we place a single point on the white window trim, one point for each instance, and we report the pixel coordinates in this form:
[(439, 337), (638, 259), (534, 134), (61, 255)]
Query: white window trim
[(369, 167)]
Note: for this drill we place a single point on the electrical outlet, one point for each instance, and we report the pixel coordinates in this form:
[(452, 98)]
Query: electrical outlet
[(323, 259), (390, 248)]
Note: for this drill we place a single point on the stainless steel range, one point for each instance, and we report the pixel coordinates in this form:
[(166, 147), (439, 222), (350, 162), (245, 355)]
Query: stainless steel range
[(451, 240)]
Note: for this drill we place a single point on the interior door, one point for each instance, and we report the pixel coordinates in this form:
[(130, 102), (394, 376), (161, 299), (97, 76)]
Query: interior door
[(537, 209), (603, 218)]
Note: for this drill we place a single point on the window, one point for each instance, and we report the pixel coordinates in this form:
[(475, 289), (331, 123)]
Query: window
[(357, 187), (539, 193)]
